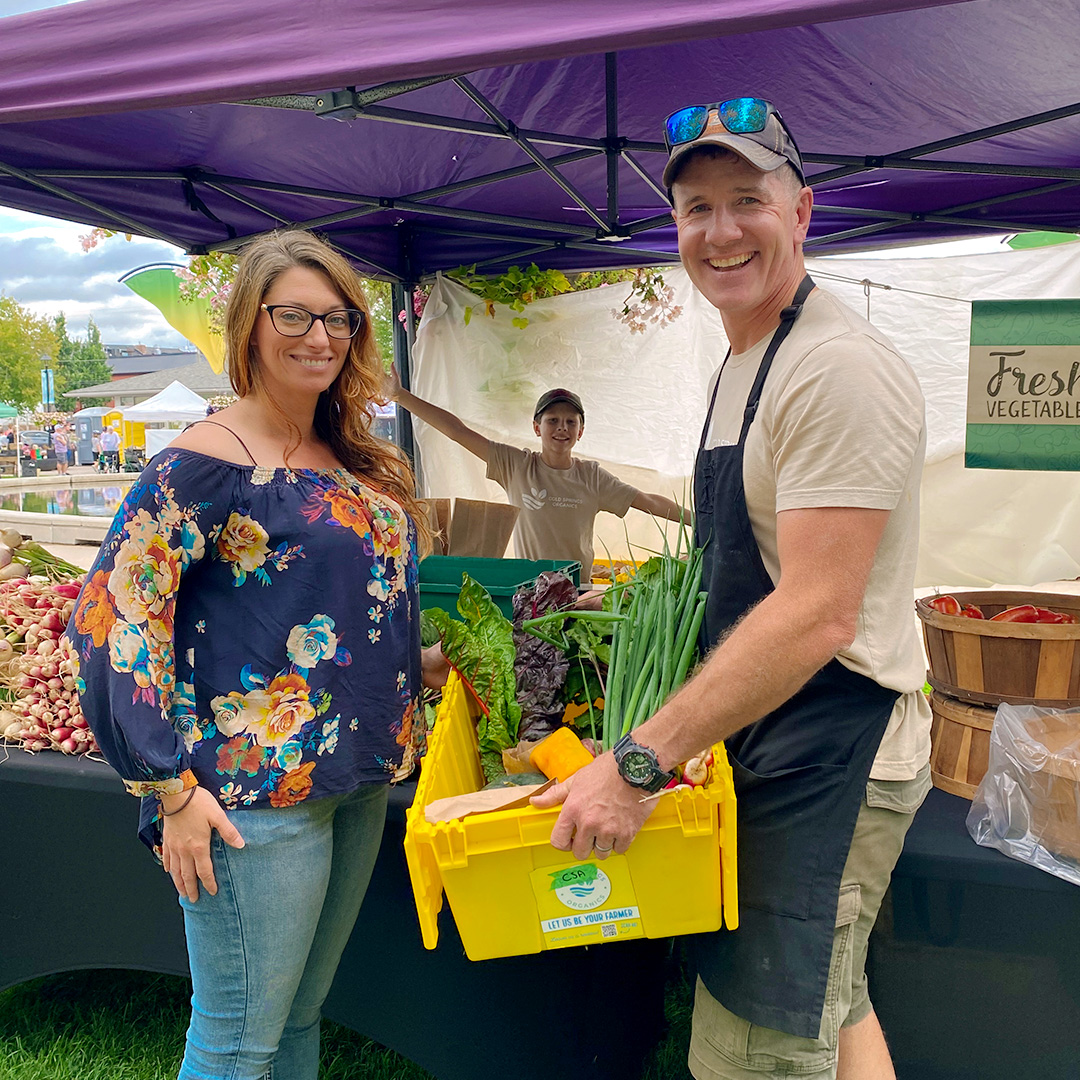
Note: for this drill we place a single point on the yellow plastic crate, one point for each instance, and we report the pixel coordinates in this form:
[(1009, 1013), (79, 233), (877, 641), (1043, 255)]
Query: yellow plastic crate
[(512, 893)]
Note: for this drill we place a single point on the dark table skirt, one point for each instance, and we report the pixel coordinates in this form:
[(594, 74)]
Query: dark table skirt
[(974, 966), (595, 1012)]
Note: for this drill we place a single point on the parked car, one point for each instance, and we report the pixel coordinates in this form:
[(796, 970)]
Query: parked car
[(38, 445)]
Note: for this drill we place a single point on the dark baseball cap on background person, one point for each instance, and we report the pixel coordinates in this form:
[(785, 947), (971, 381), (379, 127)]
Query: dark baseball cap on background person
[(750, 127), (553, 397)]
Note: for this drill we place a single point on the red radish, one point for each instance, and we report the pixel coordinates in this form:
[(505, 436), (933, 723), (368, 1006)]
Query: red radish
[(61, 733), (69, 746)]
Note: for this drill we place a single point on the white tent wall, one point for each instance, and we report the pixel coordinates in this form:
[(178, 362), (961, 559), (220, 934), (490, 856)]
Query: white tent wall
[(644, 397)]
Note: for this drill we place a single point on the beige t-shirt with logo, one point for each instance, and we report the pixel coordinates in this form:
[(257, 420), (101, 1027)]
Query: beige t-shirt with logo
[(558, 506), (841, 422)]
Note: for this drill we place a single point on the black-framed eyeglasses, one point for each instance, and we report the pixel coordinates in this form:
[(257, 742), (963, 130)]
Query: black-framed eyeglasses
[(741, 116), (292, 321)]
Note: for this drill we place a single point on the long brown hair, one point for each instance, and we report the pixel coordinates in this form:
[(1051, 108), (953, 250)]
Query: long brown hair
[(343, 414)]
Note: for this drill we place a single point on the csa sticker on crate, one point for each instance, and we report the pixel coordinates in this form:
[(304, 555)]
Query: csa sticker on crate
[(512, 893)]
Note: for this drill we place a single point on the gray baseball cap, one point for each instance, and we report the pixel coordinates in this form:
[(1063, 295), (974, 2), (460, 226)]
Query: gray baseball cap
[(766, 150), (553, 397)]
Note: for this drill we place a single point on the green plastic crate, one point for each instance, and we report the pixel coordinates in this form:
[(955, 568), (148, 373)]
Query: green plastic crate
[(440, 579)]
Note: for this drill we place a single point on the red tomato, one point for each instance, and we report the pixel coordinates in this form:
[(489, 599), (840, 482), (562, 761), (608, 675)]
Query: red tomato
[(947, 605), (972, 612), (1024, 613)]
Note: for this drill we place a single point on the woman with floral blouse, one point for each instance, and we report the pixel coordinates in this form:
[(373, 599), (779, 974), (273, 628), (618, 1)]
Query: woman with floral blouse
[(250, 658)]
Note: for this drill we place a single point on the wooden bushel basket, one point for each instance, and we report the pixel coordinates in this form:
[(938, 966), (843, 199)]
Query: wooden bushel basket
[(959, 745), (991, 663)]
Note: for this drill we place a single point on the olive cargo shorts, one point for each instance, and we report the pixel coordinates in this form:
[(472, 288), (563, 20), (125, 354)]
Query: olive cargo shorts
[(725, 1047)]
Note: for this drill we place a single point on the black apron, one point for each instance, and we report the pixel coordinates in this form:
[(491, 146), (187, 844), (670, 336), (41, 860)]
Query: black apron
[(800, 772)]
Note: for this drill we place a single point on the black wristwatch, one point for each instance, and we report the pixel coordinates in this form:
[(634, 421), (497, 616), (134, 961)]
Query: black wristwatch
[(639, 767)]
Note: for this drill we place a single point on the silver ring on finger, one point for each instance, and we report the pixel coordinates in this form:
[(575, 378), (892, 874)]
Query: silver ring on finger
[(603, 850)]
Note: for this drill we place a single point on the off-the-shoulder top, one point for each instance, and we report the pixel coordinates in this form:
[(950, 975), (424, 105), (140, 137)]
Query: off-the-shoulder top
[(254, 630)]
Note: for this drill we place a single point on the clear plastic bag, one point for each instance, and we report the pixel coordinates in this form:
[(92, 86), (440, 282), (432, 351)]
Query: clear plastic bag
[(1028, 804)]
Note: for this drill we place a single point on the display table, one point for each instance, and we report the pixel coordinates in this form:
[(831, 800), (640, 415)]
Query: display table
[(974, 967), (523, 1017)]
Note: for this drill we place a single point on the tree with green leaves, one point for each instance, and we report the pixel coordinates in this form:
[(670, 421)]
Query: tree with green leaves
[(79, 363), (24, 339)]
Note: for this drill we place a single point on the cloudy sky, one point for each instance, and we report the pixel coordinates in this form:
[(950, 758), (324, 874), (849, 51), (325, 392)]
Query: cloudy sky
[(43, 266)]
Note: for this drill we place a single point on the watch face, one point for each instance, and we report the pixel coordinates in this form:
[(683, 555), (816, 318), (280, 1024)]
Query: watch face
[(636, 767)]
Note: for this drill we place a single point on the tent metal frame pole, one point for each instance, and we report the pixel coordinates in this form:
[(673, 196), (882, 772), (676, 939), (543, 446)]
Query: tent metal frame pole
[(643, 174), (476, 127), (369, 208), (355, 100), (1034, 120), (524, 253), (524, 144), (642, 256), (381, 92), (121, 219), (942, 217), (1027, 193), (401, 300), (611, 110), (959, 168), (846, 234)]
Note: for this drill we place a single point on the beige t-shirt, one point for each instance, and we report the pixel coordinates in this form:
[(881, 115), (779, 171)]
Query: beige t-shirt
[(841, 422), (558, 506)]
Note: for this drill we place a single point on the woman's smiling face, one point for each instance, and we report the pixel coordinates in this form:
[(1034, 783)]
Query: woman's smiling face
[(295, 368)]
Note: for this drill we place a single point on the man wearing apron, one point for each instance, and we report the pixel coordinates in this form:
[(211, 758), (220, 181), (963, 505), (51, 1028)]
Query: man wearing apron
[(806, 501)]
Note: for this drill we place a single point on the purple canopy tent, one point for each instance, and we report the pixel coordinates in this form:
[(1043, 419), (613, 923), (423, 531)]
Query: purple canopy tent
[(427, 136), (510, 132)]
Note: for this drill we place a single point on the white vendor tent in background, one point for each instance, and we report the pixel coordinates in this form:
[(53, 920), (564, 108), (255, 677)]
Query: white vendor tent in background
[(644, 397), (173, 408)]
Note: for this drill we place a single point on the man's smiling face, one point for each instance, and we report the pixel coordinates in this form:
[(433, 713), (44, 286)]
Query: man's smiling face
[(740, 231)]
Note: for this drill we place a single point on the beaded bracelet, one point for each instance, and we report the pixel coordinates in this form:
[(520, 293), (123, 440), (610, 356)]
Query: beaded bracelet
[(183, 806)]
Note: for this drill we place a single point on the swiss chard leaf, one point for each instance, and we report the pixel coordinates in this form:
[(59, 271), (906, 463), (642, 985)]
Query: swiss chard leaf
[(540, 666), (482, 650)]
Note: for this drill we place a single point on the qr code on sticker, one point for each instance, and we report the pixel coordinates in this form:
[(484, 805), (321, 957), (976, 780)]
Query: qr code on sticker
[(609, 929)]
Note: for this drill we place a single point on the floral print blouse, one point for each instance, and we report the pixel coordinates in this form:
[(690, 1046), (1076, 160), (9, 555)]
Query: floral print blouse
[(254, 630)]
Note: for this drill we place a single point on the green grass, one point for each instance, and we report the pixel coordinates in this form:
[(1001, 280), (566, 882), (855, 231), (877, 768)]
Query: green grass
[(129, 1025)]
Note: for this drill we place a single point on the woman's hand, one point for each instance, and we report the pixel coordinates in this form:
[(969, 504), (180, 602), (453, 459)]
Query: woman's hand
[(185, 840)]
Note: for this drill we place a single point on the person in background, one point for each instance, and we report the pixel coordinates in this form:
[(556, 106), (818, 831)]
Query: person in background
[(110, 449), (95, 443), (559, 495), (250, 655), (60, 448), (807, 489)]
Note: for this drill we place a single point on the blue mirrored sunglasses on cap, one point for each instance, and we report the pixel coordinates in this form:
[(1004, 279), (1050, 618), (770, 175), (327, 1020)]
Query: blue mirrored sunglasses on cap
[(741, 116)]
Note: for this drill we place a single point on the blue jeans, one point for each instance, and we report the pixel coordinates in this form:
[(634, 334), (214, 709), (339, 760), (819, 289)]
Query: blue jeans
[(264, 950)]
